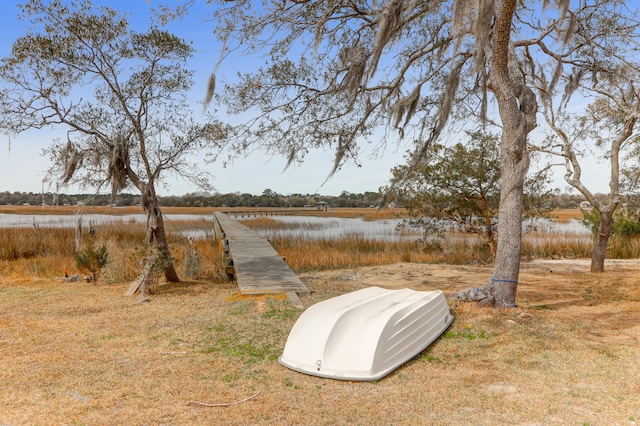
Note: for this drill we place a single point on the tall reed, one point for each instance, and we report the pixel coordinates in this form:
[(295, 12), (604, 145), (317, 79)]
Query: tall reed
[(624, 247), (305, 254), (48, 252), (352, 250), (555, 245)]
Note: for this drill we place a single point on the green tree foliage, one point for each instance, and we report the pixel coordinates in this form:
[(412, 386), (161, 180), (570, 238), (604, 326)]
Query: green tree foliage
[(458, 187), (92, 260), (625, 224)]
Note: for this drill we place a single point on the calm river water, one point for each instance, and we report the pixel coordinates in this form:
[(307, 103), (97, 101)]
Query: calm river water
[(310, 227), (70, 221)]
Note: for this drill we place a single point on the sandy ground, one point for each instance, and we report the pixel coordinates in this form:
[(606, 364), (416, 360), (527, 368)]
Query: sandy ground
[(552, 274)]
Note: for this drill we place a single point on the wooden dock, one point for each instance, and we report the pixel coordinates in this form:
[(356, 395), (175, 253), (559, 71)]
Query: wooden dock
[(274, 211), (257, 267)]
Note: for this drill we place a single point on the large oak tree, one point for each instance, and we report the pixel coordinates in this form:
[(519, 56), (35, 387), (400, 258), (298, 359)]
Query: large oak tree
[(337, 72)]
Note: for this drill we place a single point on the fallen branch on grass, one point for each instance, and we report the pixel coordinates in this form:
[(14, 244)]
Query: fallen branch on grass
[(203, 404)]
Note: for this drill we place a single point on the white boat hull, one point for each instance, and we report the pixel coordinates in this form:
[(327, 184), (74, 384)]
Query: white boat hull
[(366, 334)]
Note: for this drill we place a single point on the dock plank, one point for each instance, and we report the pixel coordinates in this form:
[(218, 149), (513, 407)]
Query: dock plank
[(258, 268)]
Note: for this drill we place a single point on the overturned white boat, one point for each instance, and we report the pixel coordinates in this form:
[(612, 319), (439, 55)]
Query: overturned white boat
[(366, 334)]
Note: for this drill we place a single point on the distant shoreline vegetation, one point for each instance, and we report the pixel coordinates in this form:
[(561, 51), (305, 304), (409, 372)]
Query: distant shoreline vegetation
[(237, 199), (268, 198)]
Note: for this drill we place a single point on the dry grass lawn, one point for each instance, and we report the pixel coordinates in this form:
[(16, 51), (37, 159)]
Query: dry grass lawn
[(73, 353)]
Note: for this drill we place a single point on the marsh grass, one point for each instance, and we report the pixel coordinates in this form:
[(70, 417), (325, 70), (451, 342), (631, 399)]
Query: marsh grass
[(352, 250), (307, 253), (47, 252), (624, 247), (553, 245), (566, 215)]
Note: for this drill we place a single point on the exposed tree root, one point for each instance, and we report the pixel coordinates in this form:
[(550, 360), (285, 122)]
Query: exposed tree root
[(497, 293)]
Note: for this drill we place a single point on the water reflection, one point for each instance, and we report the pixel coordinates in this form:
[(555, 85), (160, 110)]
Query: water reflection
[(574, 226), (308, 227), (312, 227), (196, 231), (70, 221)]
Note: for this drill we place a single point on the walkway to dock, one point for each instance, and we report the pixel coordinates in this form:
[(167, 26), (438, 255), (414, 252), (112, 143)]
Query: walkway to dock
[(257, 267)]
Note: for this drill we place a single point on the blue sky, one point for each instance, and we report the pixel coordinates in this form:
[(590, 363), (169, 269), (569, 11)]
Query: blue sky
[(22, 168)]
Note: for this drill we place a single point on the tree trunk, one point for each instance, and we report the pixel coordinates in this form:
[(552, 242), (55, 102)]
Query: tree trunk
[(514, 163), (155, 231), (601, 242), (518, 107)]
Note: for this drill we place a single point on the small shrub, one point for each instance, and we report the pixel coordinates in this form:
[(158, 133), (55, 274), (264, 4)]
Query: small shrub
[(92, 260), (625, 227)]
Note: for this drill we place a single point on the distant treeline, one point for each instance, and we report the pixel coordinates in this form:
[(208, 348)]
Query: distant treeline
[(268, 198)]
